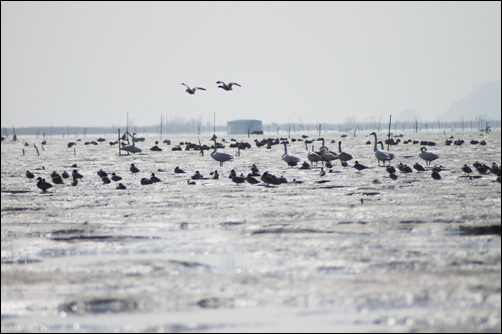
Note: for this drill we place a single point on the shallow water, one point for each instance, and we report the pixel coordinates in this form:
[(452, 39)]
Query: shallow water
[(351, 254)]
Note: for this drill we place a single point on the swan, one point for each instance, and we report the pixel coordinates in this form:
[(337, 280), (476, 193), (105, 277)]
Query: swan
[(427, 156), (289, 159), (131, 149), (227, 86), (381, 155), (313, 156), (342, 156), (221, 157), (325, 153), (192, 90)]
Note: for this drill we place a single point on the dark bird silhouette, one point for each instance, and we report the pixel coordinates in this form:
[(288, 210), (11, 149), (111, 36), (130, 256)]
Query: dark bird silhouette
[(197, 176), (495, 169), (29, 174), (120, 186), (239, 179), (404, 168), (134, 169), (435, 175), (393, 176), (56, 178), (116, 177), (105, 179), (390, 169), (227, 86), (154, 179), (419, 167), (466, 169), (192, 90), (101, 173), (145, 181), (358, 166), (178, 170), (74, 182), (250, 179), (65, 175), (42, 184), (76, 175), (216, 176)]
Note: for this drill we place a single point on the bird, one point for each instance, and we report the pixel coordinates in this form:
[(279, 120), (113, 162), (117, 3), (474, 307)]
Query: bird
[(289, 159), (42, 184), (145, 181), (342, 156), (134, 169), (116, 177), (358, 166), (427, 156), (227, 86), (56, 178), (381, 155), (390, 169), (65, 175), (239, 179), (326, 154), (232, 174), (393, 176), (221, 157), (101, 173), (105, 179), (305, 165), (466, 169), (250, 179), (313, 156), (74, 182), (216, 176), (178, 170), (197, 176), (120, 186), (76, 175), (131, 148), (419, 167), (154, 179), (29, 174), (191, 183), (404, 168), (270, 179), (435, 175), (192, 90), (495, 169)]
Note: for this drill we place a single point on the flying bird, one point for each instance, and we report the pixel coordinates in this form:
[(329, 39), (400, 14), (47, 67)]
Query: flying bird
[(227, 86), (192, 90)]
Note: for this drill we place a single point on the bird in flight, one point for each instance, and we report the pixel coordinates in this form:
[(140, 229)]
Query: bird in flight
[(227, 86), (192, 90)]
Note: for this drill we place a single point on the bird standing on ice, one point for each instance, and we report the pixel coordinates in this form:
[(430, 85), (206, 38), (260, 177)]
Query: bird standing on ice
[(381, 155), (427, 156), (221, 157)]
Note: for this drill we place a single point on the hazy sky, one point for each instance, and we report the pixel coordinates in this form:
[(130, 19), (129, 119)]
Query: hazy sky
[(89, 63)]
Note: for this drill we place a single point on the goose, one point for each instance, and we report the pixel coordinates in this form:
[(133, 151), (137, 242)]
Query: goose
[(495, 169), (404, 168), (145, 181), (342, 156), (42, 184), (190, 183), (381, 155), (232, 174), (216, 176), (239, 179), (393, 176), (192, 90), (419, 167), (466, 169), (227, 86), (390, 169), (74, 182), (134, 169), (427, 156), (29, 174), (154, 179), (178, 170), (65, 175), (56, 178), (105, 180), (101, 173), (250, 179), (358, 166), (76, 175), (435, 175), (116, 177), (289, 159), (221, 157), (305, 165), (120, 186), (197, 176), (270, 179)]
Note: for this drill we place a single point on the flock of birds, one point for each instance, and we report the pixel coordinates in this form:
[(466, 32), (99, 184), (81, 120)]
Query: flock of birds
[(323, 155), (221, 84)]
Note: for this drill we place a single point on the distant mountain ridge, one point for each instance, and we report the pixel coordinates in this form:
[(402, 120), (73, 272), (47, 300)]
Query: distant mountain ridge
[(483, 101)]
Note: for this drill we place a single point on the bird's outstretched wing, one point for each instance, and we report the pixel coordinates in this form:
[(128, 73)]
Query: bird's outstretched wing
[(233, 83), (195, 88)]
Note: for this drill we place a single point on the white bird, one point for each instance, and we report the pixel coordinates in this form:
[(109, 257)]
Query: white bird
[(313, 156), (381, 155), (289, 159), (192, 90), (325, 153), (342, 156), (427, 156), (221, 157), (227, 86), (131, 149)]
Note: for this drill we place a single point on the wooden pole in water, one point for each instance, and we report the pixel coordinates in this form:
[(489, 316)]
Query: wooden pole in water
[(388, 135), (119, 142)]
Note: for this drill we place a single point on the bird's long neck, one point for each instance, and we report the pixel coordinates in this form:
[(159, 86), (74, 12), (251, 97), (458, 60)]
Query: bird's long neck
[(340, 146), (285, 149), (375, 147)]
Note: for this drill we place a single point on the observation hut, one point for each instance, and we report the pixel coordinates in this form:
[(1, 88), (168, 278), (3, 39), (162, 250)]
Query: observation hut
[(245, 126)]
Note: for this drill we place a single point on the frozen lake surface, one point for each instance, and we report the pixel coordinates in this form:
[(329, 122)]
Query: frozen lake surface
[(348, 255)]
